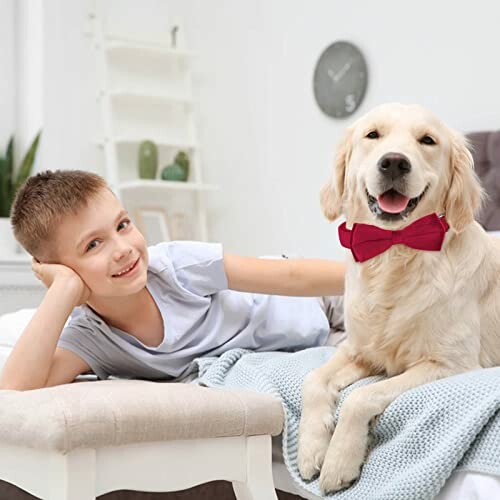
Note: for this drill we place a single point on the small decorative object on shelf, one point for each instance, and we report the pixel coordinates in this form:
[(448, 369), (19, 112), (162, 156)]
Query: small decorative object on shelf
[(173, 36), (148, 160), (178, 170)]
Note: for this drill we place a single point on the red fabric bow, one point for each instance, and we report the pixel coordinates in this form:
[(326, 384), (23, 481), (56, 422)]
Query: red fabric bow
[(366, 241)]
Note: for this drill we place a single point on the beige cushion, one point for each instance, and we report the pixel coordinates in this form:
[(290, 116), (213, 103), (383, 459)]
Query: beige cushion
[(117, 412)]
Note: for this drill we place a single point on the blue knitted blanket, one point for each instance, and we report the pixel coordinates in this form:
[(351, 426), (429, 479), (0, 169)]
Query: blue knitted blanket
[(420, 439)]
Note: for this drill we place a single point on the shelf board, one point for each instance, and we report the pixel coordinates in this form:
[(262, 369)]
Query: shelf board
[(132, 94), (114, 42), (158, 141), (165, 185)]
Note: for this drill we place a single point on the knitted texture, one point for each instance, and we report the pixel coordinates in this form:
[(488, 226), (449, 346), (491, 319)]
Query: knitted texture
[(419, 440)]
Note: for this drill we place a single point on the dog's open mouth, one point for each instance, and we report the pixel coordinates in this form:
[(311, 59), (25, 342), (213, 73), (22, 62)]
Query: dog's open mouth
[(392, 205)]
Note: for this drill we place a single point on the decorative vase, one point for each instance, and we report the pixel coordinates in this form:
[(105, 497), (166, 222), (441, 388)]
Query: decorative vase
[(178, 170), (174, 172), (148, 160)]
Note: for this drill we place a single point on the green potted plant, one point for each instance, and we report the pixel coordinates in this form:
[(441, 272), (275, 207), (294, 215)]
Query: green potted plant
[(10, 181)]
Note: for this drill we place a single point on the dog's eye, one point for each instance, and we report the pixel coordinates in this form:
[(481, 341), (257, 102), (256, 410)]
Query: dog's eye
[(427, 139), (373, 135)]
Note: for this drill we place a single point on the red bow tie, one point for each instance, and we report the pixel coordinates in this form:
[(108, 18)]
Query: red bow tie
[(366, 241)]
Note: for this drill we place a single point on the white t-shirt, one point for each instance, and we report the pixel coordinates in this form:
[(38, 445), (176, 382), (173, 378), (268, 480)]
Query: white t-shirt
[(201, 318)]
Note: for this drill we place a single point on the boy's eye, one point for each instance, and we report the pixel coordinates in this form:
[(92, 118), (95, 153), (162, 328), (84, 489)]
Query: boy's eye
[(91, 245), (124, 223)]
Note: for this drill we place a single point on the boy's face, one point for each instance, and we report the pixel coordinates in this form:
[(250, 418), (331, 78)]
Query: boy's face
[(99, 244)]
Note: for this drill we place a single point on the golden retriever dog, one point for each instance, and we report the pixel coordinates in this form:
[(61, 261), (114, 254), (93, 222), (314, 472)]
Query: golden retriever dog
[(414, 316)]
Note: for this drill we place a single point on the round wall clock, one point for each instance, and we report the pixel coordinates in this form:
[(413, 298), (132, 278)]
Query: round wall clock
[(340, 79)]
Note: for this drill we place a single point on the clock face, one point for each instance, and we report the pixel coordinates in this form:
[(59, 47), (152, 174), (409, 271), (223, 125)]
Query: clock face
[(340, 79)]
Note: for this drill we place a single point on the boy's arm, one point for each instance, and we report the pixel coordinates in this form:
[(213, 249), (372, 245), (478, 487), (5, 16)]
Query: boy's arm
[(32, 362), (66, 366), (294, 277)]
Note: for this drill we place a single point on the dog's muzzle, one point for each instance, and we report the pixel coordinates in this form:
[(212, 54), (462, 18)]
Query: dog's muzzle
[(394, 165)]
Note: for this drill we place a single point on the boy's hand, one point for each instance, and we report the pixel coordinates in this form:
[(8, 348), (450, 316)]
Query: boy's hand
[(48, 273)]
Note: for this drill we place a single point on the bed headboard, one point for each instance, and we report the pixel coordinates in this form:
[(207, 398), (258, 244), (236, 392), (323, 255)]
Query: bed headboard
[(486, 154)]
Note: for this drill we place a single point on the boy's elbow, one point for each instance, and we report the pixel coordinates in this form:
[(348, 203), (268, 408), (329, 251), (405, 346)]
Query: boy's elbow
[(8, 386), (13, 385)]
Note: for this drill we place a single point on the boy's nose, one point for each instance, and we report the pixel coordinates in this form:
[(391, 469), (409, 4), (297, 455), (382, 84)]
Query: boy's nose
[(121, 252)]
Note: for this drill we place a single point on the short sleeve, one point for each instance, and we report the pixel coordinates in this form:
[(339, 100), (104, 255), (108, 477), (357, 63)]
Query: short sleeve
[(80, 339), (197, 266)]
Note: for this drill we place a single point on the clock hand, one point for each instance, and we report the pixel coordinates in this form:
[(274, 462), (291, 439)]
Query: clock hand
[(336, 77), (343, 71)]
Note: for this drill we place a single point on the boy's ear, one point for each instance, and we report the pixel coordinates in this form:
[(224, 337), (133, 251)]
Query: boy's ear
[(332, 193)]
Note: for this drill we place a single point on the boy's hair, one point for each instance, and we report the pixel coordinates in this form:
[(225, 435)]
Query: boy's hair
[(44, 200)]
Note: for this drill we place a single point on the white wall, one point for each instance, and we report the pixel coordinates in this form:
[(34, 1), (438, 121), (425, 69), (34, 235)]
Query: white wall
[(263, 138), (7, 63), (30, 71), (70, 110)]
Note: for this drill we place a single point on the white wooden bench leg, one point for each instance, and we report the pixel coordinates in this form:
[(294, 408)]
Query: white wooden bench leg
[(259, 484), (72, 476)]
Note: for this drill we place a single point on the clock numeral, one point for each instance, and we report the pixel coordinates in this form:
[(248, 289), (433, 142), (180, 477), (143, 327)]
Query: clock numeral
[(350, 102)]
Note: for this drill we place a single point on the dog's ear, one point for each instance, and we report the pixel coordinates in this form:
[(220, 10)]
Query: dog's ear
[(465, 193), (332, 193)]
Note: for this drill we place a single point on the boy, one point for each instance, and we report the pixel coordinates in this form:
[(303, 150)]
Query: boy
[(147, 313)]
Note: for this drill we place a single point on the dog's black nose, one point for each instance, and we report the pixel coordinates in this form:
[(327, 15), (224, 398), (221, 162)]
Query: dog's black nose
[(394, 165)]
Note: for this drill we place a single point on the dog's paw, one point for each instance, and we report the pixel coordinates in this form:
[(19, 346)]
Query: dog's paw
[(338, 473), (343, 461), (312, 451), (314, 439), (316, 426)]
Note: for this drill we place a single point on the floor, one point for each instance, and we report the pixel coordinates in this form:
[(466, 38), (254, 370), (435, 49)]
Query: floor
[(216, 490)]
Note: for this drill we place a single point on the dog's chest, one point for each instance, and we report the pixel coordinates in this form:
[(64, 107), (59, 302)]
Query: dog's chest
[(389, 316), (386, 345)]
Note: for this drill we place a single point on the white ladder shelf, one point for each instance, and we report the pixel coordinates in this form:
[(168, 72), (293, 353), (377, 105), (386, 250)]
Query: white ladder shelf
[(146, 93)]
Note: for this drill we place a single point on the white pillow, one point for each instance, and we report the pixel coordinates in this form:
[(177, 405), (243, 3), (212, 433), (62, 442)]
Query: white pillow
[(12, 326), (494, 233)]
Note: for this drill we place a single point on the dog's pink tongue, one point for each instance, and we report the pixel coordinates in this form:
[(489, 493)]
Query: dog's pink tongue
[(393, 202)]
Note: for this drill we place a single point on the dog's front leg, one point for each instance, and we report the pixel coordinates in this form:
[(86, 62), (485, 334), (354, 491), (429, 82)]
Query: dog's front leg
[(319, 398), (349, 443)]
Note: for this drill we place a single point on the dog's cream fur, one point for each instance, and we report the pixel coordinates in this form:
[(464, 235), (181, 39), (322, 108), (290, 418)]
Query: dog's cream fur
[(415, 316)]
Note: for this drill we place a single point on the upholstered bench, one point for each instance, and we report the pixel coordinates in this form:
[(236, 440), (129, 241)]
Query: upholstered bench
[(81, 440)]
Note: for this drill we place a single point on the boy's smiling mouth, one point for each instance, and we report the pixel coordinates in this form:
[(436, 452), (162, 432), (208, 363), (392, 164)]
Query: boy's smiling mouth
[(127, 271)]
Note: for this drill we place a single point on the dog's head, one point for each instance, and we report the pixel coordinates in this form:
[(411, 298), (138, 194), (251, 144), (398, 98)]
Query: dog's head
[(398, 163)]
